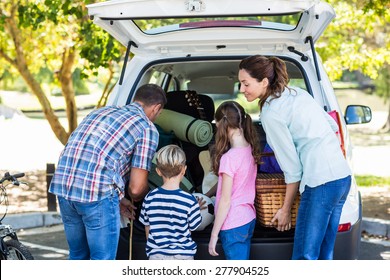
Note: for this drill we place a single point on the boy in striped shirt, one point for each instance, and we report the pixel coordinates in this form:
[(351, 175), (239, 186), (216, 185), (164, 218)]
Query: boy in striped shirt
[(169, 213)]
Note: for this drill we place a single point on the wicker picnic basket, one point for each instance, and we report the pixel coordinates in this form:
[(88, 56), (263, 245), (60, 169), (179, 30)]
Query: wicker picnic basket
[(270, 193)]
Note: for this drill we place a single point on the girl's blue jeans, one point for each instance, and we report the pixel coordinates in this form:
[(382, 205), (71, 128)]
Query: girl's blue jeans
[(91, 229), (236, 242), (318, 220)]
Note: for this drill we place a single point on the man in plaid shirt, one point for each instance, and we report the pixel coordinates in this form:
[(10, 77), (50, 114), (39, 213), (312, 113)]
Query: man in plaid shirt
[(109, 144)]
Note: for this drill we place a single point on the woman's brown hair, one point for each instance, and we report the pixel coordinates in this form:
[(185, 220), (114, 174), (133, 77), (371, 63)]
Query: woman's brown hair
[(231, 114), (272, 68)]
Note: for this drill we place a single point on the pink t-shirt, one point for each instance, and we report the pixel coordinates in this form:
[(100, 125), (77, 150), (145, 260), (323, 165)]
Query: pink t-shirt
[(239, 164)]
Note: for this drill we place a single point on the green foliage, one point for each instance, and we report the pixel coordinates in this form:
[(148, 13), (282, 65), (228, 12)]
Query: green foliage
[(45, 75), (2, 22), (379, 6), (69, 19), (370, 180), (357, 39), (49, 28), (79, 84), (9, 81), (36, 13), (382, 84), (98, 47)]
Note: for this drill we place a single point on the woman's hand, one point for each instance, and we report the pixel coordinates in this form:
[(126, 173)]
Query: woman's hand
[(127, 208), (283, 219), (283, 215)]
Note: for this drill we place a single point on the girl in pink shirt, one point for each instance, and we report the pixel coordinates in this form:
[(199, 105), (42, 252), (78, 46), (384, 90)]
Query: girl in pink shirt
[(234, 159)]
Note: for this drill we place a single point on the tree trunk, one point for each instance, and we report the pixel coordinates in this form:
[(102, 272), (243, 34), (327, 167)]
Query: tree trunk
[(107, 88), (386, 127), (20, 64), (65, 77)]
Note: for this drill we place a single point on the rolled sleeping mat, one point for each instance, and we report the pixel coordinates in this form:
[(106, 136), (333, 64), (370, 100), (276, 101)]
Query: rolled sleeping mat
[(185, 127)]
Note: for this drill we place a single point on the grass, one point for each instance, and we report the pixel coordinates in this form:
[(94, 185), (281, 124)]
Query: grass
[(370, 180)]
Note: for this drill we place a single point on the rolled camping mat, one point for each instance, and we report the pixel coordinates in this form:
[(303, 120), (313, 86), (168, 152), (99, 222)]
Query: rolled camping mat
[(185, 127)]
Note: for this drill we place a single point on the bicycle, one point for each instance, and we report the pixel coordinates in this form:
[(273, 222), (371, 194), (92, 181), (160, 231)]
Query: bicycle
[(11, 247)]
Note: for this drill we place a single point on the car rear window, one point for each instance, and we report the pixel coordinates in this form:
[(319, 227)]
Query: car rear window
[(163, 25)]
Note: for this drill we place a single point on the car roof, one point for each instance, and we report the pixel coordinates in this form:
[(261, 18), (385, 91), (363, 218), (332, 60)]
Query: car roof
[(166, 27)]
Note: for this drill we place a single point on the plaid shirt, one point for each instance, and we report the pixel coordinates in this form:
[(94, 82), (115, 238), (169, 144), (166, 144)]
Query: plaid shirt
[(101, 151)]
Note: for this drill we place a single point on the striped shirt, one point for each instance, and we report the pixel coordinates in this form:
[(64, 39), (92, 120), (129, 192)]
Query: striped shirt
[(171, 215), (101, 151)]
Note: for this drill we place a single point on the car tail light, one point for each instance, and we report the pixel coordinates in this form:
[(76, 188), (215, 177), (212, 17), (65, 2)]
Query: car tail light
[(344, 227), (340, 134)]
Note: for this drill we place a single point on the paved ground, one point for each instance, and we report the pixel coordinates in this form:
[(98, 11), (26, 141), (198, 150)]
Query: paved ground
[(48, 243)]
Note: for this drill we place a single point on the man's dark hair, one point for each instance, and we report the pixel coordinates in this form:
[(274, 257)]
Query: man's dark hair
[(151, 94)]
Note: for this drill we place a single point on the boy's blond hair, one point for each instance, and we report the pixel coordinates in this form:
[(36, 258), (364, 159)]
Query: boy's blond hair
[(171, 160)]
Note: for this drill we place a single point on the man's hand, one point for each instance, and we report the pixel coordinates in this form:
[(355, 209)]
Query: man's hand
[(127, 208)]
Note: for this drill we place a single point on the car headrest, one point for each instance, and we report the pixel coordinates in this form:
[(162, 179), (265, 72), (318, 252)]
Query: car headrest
[(191, 103)]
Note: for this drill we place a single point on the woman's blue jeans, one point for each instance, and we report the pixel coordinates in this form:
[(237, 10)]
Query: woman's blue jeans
[(318, 220), (91, 229), (236, 242)]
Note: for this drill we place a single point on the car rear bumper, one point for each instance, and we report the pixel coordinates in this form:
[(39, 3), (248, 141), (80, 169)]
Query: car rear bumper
[(263, 248), (267, 244)]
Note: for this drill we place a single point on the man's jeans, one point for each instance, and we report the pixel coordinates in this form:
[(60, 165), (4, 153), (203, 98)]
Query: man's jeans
[(91, 229), (318, 219), (236, 242)]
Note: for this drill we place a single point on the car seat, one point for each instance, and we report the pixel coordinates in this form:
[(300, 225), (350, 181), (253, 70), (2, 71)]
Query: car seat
[(191, 103), (199, 106)]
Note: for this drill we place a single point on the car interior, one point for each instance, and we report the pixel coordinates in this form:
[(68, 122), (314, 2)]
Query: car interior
[(196, 88)]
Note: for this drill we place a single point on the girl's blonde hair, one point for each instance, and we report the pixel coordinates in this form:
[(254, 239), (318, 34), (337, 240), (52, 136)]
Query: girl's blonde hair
[(171, 160), (231, 114)]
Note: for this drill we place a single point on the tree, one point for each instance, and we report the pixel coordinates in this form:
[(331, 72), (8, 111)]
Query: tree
[(57, 35), (358, 40), (383, 89)]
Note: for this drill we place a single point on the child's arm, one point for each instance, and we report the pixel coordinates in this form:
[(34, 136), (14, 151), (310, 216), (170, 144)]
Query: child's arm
[(147, 228), (222, 211), (194, 216)]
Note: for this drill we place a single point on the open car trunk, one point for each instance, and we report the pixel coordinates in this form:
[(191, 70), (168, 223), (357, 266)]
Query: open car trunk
[(215, 79)]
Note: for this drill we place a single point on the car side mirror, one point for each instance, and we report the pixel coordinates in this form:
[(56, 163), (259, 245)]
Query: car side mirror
[(357, 114)]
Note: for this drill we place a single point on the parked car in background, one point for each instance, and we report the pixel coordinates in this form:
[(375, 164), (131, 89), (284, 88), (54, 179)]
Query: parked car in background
[(192, 49)]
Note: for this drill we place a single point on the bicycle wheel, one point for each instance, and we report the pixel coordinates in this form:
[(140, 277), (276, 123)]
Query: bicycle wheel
[(17, 251)]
